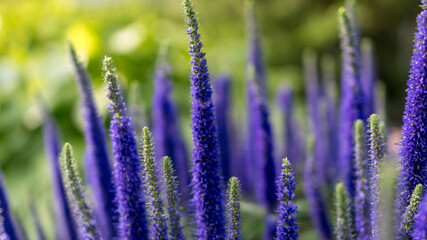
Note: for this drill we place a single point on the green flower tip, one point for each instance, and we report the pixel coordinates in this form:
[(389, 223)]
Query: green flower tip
[(358, 126), (234, 187), (342, 12), (286, 162), (108, 66), (374, 120), (67, 153)]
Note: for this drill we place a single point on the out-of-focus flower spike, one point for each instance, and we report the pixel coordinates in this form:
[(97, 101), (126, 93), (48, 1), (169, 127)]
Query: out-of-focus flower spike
[(159, 230), (233, 209), (221, 88), (270, 228), (356, 35), (420, 223), (97, 161), (361, 197), (368, 75), (8, 225), (315, 121), (206, 181), (352, 102), (287, 228), (137, 108), (172, 196), (166, 130), (377, 154), (344, 225), (318, 209), (75, 194), (127, 167), (265, 187), (65, 225), (254, 51), (407, 223)]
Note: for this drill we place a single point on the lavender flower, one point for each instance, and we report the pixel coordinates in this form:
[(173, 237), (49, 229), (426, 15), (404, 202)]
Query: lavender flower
[(352, 107), (287, 229), (413, 149), (369, 75), (166, 132), (172, 194), (97, 162), (233, 209), (130, 198), (206, 181), (407, 223), (343, 228), (158, 228), (265, 187), (377, 154), (318, 210), (361, 197), (75, 195), (65, 225), (420, 220), (221, 87)]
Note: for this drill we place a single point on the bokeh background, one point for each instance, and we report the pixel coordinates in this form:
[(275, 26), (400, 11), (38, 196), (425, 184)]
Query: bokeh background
[(35, 63)]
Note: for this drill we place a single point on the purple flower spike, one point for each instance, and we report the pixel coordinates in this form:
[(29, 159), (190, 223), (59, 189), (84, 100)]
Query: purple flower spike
[(265, 174), (97, 162), (413, 151), (65, 225), (352, 107), (287, 228), (207, 195), (420, 221), (316, 125), (127, 167), (166, 131), (221, 87)]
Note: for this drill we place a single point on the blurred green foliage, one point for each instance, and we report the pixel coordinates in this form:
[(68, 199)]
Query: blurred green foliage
[(34, 62)]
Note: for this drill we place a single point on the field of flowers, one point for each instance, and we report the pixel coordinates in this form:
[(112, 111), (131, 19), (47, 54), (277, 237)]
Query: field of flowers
[(201, 119)]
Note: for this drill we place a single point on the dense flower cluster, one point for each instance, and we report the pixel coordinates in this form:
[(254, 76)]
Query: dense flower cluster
[(140, 197)]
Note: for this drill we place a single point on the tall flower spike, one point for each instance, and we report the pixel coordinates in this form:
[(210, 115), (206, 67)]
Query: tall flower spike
[(159, 230), (206, 181), (233, 209), (172, 196), (352, 107), (287, 228), (318, 209), (166, 131), (407, 223), (265, 187), (97, 161), (377, 154), (420, 220), (343, 228), (127, 167), (361, 197), (221, 87), (65, 225), (37, 224), (316, 125), (330, 115), (413, 151), (3, 234), (75, 194)]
